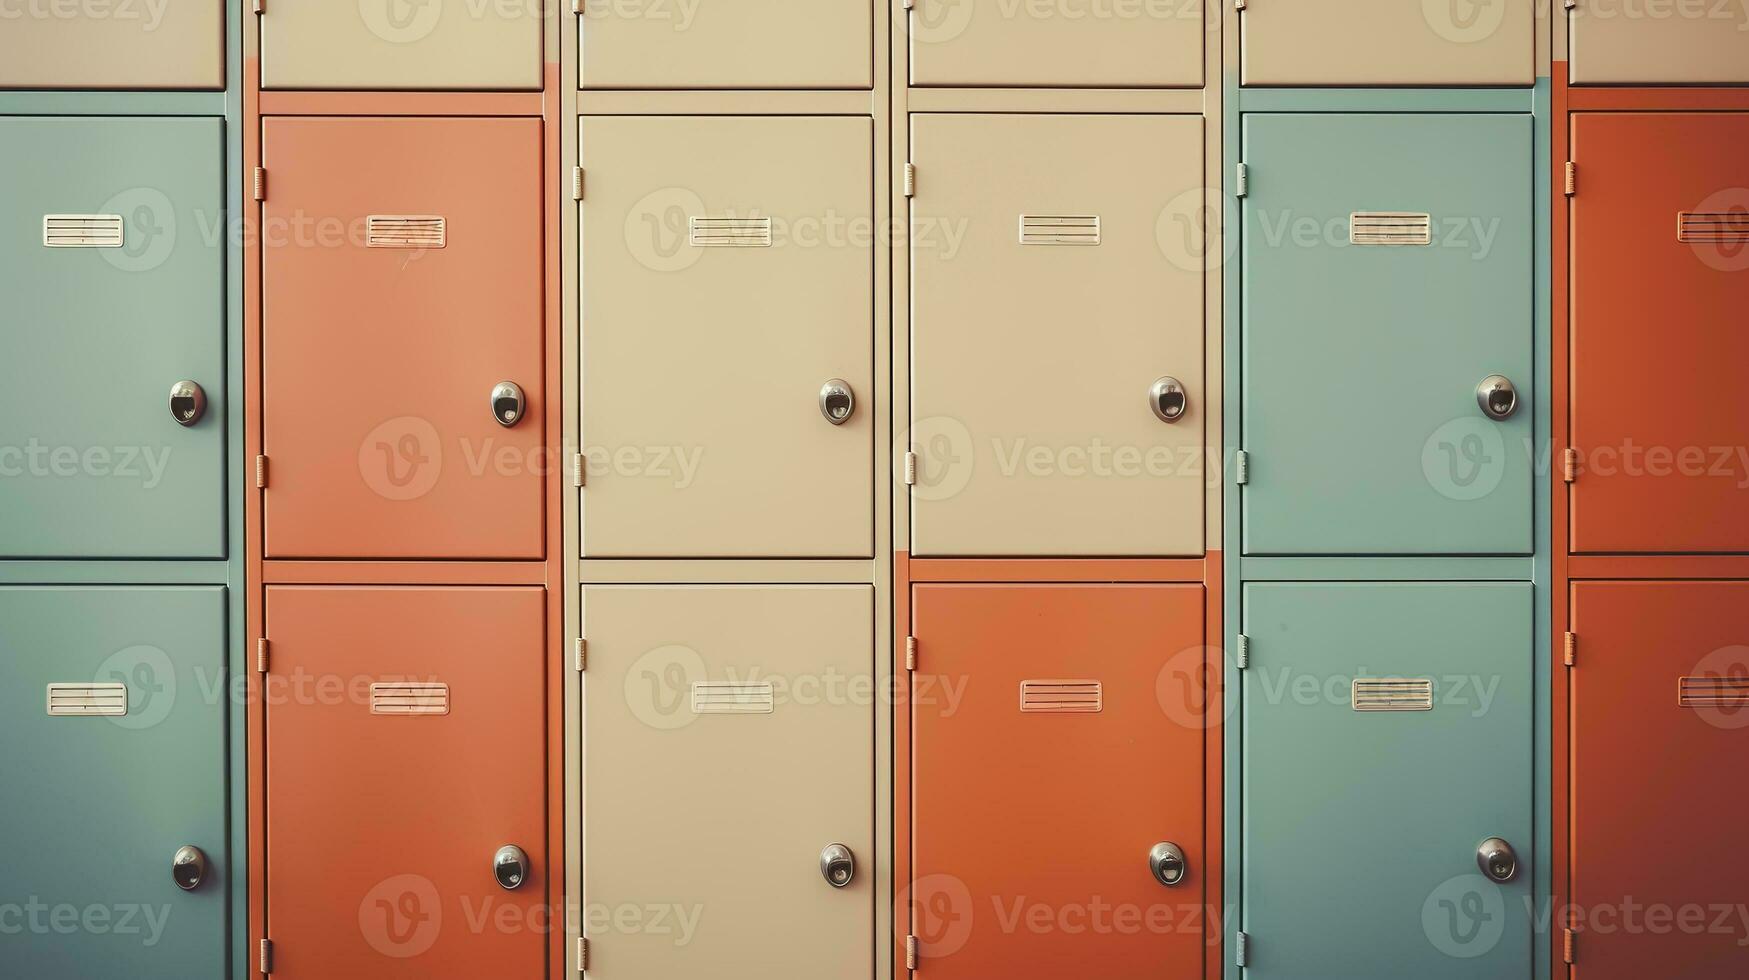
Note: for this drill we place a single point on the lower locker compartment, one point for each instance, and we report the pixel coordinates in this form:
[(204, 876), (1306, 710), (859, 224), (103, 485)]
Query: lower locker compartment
[(1057, 782), (112, 714)]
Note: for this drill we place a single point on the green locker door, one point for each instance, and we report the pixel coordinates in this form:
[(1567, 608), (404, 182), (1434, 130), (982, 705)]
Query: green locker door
[(1386, 735), (1388, 272), (112, 242), (112, 715)]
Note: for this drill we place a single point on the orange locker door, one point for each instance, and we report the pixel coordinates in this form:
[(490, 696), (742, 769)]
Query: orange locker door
[(404, 754), (1660, 701), (402, 320), (1660, 253), (1058, 745)]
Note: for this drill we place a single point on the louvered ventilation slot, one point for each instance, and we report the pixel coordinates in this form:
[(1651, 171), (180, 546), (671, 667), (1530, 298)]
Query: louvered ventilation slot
[(409, 698), (1062, 697), (86, 700), (1713, 227), (1390, 228), (405, 231), (1713, 692), (729, 232), (82, 231), (732, 698), (1059, 229), (1392, 694)]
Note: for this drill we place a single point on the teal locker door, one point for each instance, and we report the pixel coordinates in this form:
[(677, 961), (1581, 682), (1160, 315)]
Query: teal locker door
[(1363, 807), (93, 335), (112, 714), (1388, 272)]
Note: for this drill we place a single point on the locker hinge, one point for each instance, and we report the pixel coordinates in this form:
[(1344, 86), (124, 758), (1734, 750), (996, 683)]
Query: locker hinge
[(1570, 465), (1242, 656), (1568, 941), (261, 472), (910, 653), (910, 180), (1241, 467), (1242, 180), (1572, 178), (576, 183), (910, 469), (910, 952), (260, 183), (261, 6), (577, 6), (1242, 949), (267, 956), (1572, 4), (577, 470), (1238, 4), (1570, 651), (581, 651), (910, 4), (261, 658), (582, 955)]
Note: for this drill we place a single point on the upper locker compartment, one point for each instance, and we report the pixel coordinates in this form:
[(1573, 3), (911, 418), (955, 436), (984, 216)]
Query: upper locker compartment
[(1695, 43), (114, 293), (1057, 271), (402, 44), (744, 44), (728, 305), (403, 405), (168, 44), (1027, 43), (1388, 42)]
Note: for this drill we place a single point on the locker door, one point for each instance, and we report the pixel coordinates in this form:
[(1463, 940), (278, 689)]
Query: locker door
[(402, 286), (1660, 280), (402, 44), (1364, 808), (728, 742), (405, 737), (1002, 43), (1051, 757), (1364, 350), (750, 44), (1655, 44), (1388, 42), (1660, 719), (1050, 292), (729, 269), (115, 760), (121, 45), (114, 292)]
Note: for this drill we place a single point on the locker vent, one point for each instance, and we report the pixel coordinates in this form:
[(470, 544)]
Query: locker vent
[(1713, 692), (1062, 697), (1713, 227), (405, 231), (732, 698), (1059, 229), (82, 231), (84, 700), (1392, 694), (1390, 228), (729, 232), (409, 698)]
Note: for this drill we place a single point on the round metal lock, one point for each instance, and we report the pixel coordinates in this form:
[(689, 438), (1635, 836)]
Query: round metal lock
[(1168, 399), (188, 868), (1498, 397), (1497, 860), (838, 865), (508, 403), (187, 402), (510, 867), (1166, 863), (837, 401)]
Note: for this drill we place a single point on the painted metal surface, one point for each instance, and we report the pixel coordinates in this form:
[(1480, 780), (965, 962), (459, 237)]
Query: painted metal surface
[(93, 464), (380, 362), (1361, 362), (1388, 42), (1359, 829), (728, 741), (1658, 412), (1034, 345), (382, 826), (395, 44), (1657, 44), (752, 44), (727, 265), (1005, 43), (137, 45), (97, 805), (1058, 740)]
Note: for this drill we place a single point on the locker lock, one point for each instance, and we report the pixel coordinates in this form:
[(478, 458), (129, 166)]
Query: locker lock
[(1497, 859), (508, 403), (1498, 397), (188, 867), (838, 865), (1168, 399), (510, 867), (1166, 862), (837, 401), (187, 402)]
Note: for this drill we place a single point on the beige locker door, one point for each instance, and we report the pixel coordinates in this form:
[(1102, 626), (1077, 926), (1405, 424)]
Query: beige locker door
[(1388, 42), (1698, 42), (728, 741), (727, 279), (1057, 274), (738, 44), (1140, 44), (402, 44), (167, 44)]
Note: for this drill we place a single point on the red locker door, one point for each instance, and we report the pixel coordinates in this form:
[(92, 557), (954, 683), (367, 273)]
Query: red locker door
[(401, 285), (405, 748), (1660, 701), (1057, 743), (1660, 276)]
